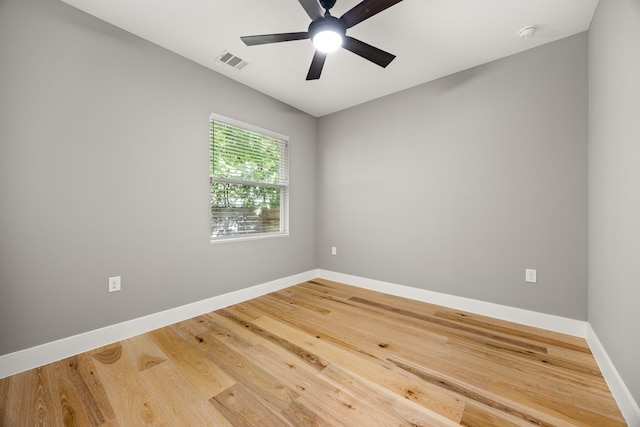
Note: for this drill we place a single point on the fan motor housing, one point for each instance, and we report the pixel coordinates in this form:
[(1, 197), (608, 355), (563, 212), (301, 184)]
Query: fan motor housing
[(328, 23)]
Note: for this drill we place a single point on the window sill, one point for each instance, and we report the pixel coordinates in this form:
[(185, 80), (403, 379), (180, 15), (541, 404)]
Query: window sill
[(234, 239)]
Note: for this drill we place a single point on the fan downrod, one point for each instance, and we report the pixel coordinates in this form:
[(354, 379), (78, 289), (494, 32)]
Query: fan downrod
[(327, 4)]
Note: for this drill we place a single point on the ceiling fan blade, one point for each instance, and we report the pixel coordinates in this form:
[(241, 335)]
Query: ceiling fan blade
[(316, 65), (274, 38), (367, 51), (365, 10), (313, 8)]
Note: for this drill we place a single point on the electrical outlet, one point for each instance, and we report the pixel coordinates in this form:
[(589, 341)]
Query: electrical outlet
[(114, 284), (334, 251), (530, 276)]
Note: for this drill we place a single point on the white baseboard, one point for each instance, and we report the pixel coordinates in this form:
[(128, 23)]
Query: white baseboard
[(525, 317), (621, 393), (33, 357)]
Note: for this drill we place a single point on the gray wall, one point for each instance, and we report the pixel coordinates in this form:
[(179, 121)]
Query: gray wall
[(104, 171), (614, 184), (460, 184)]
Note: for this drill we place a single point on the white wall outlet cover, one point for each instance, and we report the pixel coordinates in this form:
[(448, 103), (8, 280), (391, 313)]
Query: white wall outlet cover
[(114, 284), (530, 276), (334, 250)]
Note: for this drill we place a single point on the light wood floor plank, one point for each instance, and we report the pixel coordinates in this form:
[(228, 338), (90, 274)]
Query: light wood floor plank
[(182, 402), (204, 375), (322, 354), (118, 367)]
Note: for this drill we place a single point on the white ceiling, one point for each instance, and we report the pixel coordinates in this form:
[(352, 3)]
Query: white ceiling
[(431, 38)]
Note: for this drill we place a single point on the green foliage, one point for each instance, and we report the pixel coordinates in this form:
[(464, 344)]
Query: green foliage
[(245, 155), (224, 195)]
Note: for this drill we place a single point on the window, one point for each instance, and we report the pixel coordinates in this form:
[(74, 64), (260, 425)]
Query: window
[(248, 175)]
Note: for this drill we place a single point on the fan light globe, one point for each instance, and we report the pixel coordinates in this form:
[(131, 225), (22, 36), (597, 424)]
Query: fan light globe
[(327, 41)]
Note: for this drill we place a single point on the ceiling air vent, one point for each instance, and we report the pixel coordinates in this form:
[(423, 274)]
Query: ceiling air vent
[(232, 60)]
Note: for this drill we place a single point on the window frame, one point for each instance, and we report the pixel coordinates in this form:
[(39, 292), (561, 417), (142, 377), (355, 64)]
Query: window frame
[(284, 186)]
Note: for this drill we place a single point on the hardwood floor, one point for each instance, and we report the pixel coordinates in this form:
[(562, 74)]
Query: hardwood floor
[(322, 354)]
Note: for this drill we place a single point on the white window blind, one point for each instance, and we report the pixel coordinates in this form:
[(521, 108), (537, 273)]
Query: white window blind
[(248, 174)]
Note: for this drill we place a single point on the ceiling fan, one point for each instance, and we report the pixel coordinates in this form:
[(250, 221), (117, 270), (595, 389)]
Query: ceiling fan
[(329, 33)]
